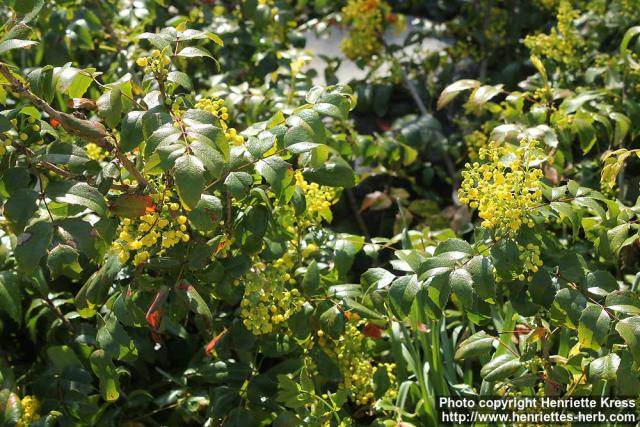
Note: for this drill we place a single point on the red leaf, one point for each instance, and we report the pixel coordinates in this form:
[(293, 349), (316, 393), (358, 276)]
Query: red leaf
[(155, 312), (373, 331), (212, 344)]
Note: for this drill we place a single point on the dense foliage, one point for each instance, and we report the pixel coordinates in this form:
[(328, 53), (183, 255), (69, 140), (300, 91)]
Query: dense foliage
[(193, 232)]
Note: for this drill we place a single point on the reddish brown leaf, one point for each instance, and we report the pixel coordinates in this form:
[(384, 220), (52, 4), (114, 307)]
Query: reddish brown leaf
[(132, 205), (210, 347), (372, 330), (376, 201), (84, 103)]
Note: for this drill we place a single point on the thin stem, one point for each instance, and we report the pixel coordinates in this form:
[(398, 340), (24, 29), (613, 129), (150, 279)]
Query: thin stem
[(72, 125)]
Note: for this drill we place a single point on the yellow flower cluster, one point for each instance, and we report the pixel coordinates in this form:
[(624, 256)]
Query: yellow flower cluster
[(156, 63), (530, 259), (623, 10), (356, 367), (319, 199), (469, 32), (217, 108), (30, 408), (474, 142), (95, 152), (505, 188), (268, 303), (139, 237), (564, 44), (366, 19)]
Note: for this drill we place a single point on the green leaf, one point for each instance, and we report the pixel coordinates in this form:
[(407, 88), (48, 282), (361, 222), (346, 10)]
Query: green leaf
[(63, 153), (238, 184), (594, 327), (276, 171), (63, 261), (582, 125), (194, 52), (629, 330), (189, 175), (197, 303), (105, 370), (333, 321), (478, 344), (454, 245), (10, 296), (110, 106), (82, 194), (604, 368), (180, 78), (505, 256), (402, 294), (542, 289), (565, 210), (206, 214), (296, 134), (8, 45), (95, 289), (362, 310), (212, 160), (214, 38), (18, 31), (72, 81), (461, 284), (544, 134), (500, 368), (41, 82), (623, 124), (567, 307), (311, 279), (159, 40), (303, 147), (19, 209), (481, 270), (378, 277), (602, 283), (453, 90), (335, 172), (114, 340), (483, 94), (627, 385), (32, 245), (626, 302), (131, 131)]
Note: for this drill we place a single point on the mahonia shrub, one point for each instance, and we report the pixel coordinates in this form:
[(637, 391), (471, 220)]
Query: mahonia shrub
[(194, 232)]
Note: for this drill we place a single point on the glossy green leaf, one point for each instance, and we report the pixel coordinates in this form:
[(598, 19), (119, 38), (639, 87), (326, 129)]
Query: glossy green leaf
[(189, 175)]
